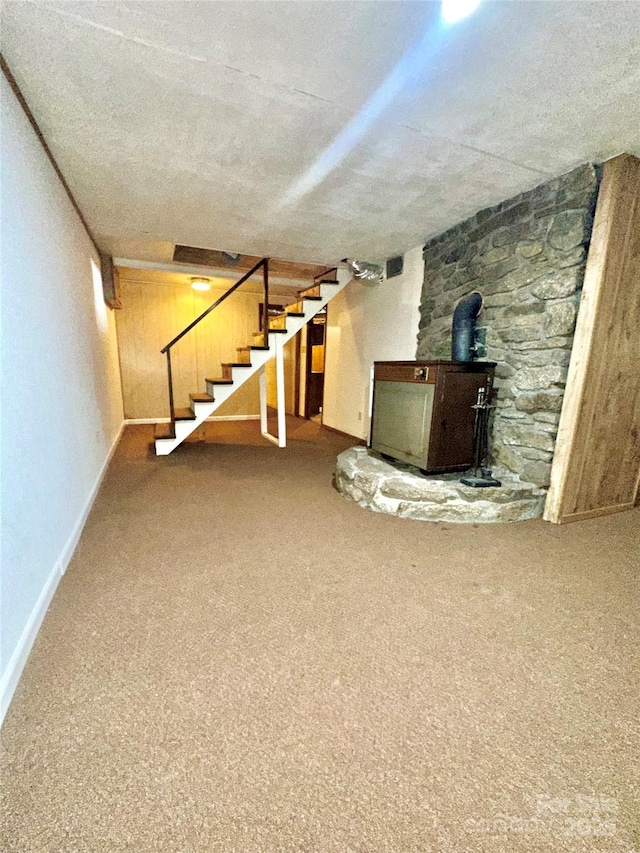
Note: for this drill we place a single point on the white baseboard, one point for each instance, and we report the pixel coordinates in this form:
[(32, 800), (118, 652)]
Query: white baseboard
[(16, 664), (134, 421), (12, 673), (76, 533)]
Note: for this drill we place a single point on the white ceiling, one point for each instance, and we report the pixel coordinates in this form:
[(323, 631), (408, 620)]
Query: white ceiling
[(214, 124)]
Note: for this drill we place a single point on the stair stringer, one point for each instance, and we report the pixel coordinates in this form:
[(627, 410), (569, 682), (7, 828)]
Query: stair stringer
[(221, 393)]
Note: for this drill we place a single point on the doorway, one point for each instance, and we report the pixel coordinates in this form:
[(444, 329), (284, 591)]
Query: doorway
[(314, 365)]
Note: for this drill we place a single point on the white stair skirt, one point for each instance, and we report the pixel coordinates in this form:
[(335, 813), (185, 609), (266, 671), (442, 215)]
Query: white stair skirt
[(281, 438)]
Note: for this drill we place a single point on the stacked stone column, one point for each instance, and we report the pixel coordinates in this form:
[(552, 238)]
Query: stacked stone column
[(527, 257)]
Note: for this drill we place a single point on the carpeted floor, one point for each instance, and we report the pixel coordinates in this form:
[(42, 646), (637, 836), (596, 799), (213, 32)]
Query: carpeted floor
[(239, 660)]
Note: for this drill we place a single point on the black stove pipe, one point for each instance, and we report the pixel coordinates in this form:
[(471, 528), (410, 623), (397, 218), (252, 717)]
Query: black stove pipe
[(463, 332)]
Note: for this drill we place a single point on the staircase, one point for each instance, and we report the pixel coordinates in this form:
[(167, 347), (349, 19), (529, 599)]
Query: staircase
[(250, 359)]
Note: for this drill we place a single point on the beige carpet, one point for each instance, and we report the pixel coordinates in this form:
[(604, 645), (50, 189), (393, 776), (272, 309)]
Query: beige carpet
[(239, 660)]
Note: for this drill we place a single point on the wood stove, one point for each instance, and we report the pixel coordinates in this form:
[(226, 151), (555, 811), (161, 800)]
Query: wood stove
[(423, 411)]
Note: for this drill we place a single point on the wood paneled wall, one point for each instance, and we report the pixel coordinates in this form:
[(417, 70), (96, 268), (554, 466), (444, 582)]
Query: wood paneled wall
[(597, 459), (151, 315), (289, 379)]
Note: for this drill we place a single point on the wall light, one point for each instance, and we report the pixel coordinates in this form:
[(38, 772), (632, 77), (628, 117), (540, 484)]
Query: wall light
[(200, 284), (456, 10)]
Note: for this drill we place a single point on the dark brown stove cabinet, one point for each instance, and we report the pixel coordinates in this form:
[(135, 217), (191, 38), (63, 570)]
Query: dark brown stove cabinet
[(423, 411)]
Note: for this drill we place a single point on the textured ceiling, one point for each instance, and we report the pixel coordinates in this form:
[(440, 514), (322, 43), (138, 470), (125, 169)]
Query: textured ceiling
[(315, 131)]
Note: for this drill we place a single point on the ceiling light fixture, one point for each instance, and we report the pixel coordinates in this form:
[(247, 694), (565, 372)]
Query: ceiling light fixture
[(455, 10), (200, 284)]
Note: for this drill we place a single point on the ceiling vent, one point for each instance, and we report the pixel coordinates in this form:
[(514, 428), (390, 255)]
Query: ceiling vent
[(395, 266)]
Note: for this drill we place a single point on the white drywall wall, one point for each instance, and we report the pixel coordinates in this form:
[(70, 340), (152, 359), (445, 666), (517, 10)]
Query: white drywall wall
[(61, 399), (367, 324)]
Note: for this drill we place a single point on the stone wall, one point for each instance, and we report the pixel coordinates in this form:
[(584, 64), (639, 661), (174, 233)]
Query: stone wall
[(527, 258)]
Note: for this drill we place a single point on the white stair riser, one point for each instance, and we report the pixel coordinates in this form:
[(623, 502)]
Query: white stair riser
[(185, 428), (220, 393), (202, 411)]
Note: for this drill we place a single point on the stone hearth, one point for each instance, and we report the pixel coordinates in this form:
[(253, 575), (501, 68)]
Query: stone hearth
[(398, 489)]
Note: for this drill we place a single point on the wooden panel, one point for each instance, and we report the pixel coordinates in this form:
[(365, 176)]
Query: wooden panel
[(290, 356), (231, 325), (597, 457), (407, 372), (277, 268), (317, 358), (454, 418), (426, 371), (151, 315)]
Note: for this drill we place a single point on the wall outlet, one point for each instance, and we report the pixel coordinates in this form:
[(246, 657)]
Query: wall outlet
[(359, 416)]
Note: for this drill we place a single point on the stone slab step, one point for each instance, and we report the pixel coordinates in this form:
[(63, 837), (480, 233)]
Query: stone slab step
[(400, 489)]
